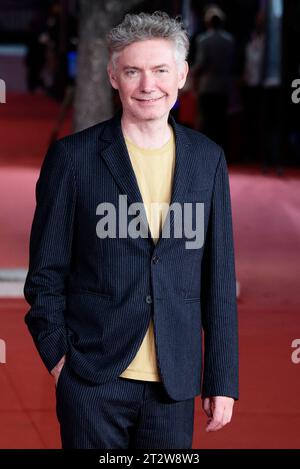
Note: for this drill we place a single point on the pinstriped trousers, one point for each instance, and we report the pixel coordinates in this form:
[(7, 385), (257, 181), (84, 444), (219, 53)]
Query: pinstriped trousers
[(121, 414)]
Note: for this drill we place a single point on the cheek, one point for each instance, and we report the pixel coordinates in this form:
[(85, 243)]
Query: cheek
[(124, 85), (172, 85), (128, 90), (173, 88)]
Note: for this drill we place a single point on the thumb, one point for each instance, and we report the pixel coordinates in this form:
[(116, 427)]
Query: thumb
[(206, 404)]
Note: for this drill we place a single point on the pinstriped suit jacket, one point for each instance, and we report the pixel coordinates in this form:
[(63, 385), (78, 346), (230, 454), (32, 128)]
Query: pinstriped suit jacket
[(92, 298)]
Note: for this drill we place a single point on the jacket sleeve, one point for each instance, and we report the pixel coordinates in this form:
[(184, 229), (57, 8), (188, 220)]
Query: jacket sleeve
[(50, 255), (218, 295)]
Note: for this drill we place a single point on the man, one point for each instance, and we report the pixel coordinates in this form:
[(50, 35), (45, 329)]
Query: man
[(117, 318), (213, 74)]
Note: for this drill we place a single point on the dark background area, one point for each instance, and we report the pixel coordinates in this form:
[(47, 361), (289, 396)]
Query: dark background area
[(20, 21)]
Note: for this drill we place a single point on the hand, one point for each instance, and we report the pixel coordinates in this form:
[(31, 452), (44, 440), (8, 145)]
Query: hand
[(57, 369), (218, 410)]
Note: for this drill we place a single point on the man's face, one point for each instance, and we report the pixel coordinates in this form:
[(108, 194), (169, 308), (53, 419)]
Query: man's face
[(148, 77)]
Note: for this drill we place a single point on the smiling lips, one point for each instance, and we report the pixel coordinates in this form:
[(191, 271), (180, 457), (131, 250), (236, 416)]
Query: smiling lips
[(149, 100)]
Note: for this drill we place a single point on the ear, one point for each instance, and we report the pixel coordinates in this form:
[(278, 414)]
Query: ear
[(183, 71), (112, 76)]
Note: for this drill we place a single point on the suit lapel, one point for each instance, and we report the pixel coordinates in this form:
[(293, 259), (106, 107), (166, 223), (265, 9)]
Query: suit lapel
[(184, 169), (115, 154), (183, 162)]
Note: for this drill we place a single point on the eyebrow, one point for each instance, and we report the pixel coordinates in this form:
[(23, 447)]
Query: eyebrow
[(132, 67)]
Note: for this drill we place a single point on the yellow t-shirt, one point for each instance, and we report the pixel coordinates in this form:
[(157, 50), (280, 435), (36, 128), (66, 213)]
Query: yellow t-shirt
[(154, 170)]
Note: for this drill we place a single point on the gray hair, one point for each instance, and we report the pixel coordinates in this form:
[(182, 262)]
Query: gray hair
[(143, 26)]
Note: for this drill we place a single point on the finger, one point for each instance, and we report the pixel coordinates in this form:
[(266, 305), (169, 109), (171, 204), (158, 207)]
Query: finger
[(217, 420), (226, 420), (213, 425), (227, 416), (206, 404)]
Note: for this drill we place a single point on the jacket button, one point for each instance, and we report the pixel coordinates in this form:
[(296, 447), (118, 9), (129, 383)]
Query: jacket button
[(149, 299), (155, 259)]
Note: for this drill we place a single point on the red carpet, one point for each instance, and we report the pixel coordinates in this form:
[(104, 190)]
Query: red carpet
[(266, 213)]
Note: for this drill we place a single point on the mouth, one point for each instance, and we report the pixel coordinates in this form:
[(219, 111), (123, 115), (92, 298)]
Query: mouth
[(149, 100)]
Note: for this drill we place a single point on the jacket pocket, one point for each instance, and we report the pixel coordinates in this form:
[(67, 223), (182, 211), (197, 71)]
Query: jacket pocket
[(57, 386)]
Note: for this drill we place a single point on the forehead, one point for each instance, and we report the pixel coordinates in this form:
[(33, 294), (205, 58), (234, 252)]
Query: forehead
[(148, 53)]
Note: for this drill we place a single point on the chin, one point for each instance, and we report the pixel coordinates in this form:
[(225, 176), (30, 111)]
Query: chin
[(151, 114)]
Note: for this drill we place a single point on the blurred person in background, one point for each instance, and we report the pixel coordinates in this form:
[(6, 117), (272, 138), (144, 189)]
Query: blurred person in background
[(213, 71), (36, 55), (272, 90), (252, 91)]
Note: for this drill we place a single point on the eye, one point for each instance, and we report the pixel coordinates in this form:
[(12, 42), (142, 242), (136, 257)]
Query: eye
[(162, 70), (131, 73)]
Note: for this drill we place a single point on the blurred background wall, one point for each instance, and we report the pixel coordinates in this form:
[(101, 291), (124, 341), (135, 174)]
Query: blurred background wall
[(40, 50)]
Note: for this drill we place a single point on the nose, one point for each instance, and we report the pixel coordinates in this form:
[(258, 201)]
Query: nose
[(147, 83)]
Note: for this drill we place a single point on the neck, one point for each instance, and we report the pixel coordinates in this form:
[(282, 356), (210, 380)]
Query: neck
[(146, 134)]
